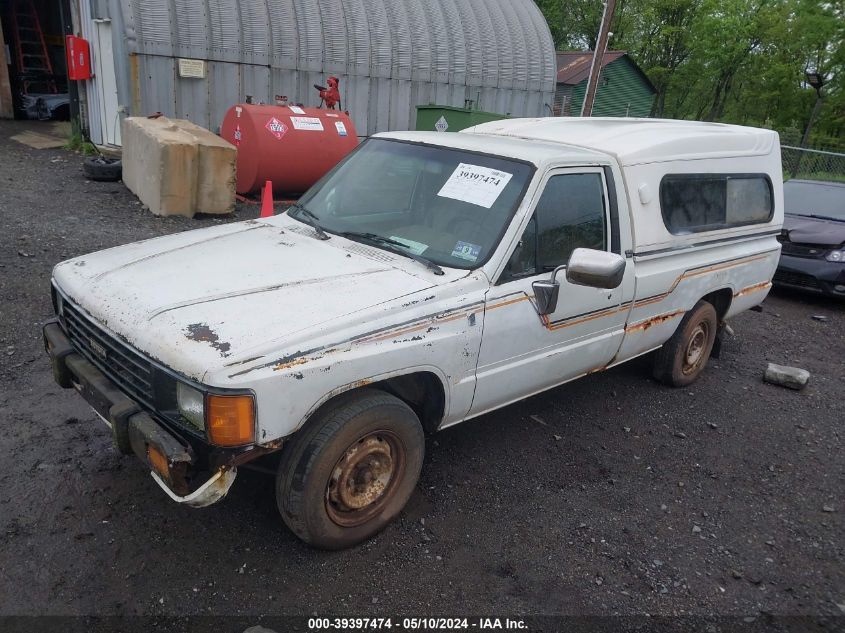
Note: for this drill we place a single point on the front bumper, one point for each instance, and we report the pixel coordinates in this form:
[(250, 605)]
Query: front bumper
[(814, 275), (173, 461)]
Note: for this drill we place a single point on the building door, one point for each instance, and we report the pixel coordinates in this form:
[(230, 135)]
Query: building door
[(106, 83)]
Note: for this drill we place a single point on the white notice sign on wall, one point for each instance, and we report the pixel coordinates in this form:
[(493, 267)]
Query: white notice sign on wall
[(475, 184), (192, 68)]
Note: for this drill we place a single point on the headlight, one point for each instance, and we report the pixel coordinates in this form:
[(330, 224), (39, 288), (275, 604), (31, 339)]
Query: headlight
[(836, 256), (191, 404)]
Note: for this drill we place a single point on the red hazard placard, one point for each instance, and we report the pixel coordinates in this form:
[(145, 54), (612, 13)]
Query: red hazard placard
[(276, 128)]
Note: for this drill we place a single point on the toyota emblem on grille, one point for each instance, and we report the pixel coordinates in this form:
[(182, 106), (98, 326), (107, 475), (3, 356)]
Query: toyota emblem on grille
[(97, 349)]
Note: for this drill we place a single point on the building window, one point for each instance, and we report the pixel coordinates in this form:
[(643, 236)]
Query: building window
[(691, 203)]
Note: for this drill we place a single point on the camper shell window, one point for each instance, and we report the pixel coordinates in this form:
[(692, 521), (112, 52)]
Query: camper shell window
[(691, 203)]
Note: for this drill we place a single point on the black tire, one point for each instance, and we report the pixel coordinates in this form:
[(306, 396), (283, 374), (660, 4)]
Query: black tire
[(102, 168), (368, 438), (683, 357)]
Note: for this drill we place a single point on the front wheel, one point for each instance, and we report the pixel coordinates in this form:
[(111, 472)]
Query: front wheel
[(683, 357), (350, 470)]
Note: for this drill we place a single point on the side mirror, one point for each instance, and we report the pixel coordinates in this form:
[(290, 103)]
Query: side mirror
[(586, 267), (598, 269)]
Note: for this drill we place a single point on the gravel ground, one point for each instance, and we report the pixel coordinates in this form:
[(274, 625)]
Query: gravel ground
[(610, 495)]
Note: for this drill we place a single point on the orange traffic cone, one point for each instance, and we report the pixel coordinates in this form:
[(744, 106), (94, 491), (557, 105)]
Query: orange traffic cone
[(267, 200)]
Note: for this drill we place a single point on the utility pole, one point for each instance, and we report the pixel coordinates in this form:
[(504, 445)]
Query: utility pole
[(598, 56), (817, 82)]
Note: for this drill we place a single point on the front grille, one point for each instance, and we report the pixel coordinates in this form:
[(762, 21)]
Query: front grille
[(796, 279), (131, 372), (803, 250)]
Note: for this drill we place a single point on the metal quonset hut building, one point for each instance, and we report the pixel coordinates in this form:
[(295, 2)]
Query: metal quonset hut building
[(390, 56)]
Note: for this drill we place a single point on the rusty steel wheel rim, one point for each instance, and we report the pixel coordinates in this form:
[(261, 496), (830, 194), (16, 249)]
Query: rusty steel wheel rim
[(365, 478), (694, 352)]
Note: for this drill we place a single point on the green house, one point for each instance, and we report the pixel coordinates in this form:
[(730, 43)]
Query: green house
[(624, 89)]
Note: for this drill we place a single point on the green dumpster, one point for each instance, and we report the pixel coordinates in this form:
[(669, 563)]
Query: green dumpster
[(448, 119)]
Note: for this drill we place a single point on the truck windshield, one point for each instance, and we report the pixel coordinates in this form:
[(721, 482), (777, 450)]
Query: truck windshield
[(443, 205)]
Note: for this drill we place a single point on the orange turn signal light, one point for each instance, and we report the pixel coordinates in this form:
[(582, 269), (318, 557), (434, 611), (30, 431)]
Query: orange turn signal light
[(158, 461), (230, 419)]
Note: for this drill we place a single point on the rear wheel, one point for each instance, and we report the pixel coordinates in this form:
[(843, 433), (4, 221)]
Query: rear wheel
[(683, 357), (351, 470)]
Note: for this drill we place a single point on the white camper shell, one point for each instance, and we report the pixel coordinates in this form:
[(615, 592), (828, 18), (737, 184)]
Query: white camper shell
[(428, 279)]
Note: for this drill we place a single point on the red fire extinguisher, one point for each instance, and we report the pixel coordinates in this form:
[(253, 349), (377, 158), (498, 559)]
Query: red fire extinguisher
[(78, 57)]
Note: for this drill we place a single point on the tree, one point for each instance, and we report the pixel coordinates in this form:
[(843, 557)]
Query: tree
[(741, 61)]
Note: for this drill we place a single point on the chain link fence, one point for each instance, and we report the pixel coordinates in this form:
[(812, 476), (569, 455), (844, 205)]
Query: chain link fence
[(812, 164)]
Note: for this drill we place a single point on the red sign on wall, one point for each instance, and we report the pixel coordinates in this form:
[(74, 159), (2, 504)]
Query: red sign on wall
[(78, 57)]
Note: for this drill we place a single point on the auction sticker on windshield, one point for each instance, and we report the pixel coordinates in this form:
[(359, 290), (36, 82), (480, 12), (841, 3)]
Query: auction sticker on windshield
[(475, 184)]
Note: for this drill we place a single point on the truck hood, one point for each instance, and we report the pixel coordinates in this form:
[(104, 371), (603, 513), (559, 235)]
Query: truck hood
[(803, 229), (198, 300)]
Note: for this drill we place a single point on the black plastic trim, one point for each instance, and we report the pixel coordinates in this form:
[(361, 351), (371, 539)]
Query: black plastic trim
[(615, 246), (721, 240)]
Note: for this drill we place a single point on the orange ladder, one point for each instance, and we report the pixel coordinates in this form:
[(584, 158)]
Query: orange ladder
[(30, 48)]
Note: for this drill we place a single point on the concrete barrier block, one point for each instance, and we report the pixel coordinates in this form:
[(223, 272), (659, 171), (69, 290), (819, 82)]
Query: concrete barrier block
[(216, 166), (178, 168)]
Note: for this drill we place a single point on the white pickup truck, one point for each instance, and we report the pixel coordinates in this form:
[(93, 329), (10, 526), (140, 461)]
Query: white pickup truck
[(428, 279)]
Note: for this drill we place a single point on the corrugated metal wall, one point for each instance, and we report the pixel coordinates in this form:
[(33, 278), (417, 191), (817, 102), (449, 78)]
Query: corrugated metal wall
[(390, 55), (622, 92)]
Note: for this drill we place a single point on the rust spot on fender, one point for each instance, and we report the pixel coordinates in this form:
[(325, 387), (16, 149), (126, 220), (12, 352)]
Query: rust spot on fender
[(763, 285), (642, 326), (301, 360), (238, 459), (202, 333)]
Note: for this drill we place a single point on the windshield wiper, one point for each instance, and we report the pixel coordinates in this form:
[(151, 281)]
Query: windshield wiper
[(394, 246), (374, 237), (311, 220)]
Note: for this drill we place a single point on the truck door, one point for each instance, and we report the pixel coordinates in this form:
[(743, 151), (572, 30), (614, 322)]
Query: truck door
[(522, 352)]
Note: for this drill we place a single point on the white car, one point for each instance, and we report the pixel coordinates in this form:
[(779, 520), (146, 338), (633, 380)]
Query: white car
[(428, 279)]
